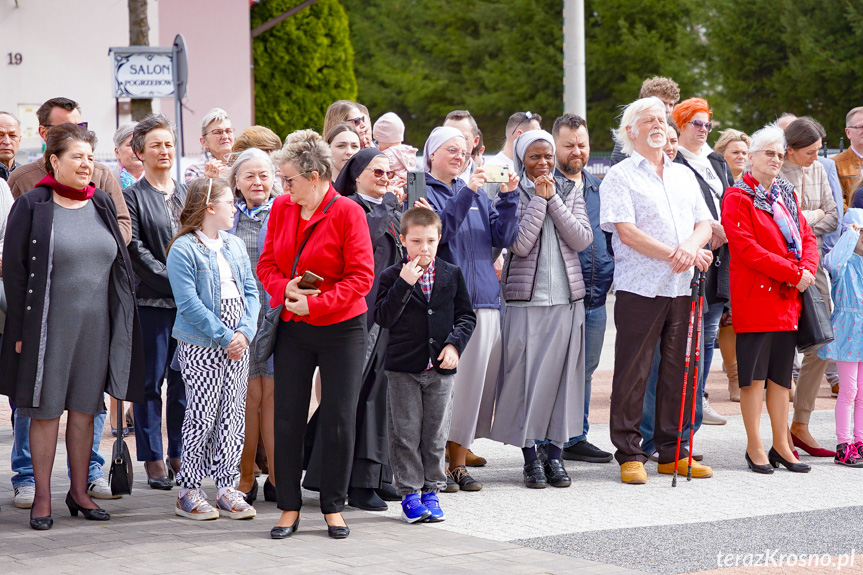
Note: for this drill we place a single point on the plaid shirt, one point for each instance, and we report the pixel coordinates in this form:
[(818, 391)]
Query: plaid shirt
[(426, 282)]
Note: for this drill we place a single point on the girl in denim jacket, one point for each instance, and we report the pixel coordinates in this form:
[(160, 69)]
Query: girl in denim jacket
[(217, 312)]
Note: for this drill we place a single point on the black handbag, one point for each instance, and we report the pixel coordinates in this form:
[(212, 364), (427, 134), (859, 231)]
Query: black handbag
[(814, 328), (265, 338), (121, 475)]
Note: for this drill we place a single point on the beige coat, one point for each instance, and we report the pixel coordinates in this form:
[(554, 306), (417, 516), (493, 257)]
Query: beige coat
[(814, 193)]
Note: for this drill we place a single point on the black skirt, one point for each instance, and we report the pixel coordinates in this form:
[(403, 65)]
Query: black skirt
[(766, 355)]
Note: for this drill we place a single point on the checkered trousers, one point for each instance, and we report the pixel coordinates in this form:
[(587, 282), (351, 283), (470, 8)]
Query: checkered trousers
[(215, 421)]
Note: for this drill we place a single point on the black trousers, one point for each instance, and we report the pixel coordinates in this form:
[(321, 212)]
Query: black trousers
[(338, 350), (640, 322)]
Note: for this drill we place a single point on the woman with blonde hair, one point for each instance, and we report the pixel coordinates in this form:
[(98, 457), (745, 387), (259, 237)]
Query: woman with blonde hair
[(317, 234)]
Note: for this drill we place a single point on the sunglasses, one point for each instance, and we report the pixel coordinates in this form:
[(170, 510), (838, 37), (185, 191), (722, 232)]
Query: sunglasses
[(358, 121), (80, 125), (528, 116), (700, 124), (378, 173), (287, 181)]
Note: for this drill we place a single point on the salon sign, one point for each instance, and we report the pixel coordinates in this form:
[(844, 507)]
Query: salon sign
[(147, 71)]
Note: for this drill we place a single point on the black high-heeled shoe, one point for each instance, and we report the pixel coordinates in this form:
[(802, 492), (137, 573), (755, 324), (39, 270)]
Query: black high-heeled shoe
[(285, 532), (163, 483), (97, 514), (775, 459), (41, 523), (338, 531), (252, 494), (269, 491), (765, 469)]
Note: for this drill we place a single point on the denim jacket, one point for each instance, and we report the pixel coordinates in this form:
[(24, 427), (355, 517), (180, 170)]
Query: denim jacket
[(194, 276)]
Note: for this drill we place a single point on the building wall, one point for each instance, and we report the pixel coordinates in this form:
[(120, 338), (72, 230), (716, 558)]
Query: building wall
[(217, 35), (64, 52)]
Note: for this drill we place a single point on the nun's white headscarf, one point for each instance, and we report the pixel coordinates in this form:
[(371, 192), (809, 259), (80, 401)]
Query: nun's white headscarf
[(521, 145), (437, 138)]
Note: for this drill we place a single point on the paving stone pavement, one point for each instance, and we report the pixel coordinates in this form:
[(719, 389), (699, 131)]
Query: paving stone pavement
[(597, 526), (144, 536)]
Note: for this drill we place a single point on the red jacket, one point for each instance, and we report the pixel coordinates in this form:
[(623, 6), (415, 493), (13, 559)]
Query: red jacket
[(761, 266), (339, 250)]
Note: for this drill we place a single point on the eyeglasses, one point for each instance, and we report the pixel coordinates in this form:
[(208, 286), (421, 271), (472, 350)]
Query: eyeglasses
[(771, 154), (226, 202), (358, 121), (528, 116), (287, 181), (854, 127), (378, 173), (457, 153), (219, 132), (80, 125), (700, 124)]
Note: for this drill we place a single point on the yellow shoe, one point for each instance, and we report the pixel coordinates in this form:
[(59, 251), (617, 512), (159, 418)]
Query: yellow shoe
[(633, 472), (698, 470)]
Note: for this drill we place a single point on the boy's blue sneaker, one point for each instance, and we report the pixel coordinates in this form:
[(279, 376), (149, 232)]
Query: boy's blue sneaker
[(432, 503), (413, 510)]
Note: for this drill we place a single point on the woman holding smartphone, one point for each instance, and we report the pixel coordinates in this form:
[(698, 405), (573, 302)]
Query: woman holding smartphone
[(313, 229)]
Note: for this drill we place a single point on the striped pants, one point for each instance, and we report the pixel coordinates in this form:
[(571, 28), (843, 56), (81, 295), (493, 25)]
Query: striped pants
[(215, 421)]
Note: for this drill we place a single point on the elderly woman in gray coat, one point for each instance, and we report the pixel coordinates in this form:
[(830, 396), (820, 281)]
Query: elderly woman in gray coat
[(542, 394)]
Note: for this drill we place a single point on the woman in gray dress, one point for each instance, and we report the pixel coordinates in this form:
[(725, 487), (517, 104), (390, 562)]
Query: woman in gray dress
[(253, 178), (542, 393), (72, 331)]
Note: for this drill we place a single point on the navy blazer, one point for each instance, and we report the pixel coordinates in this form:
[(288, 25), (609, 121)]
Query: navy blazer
[(421, 328)]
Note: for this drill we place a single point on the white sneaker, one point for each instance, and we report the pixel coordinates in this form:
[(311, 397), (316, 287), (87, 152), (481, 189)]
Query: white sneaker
[(24, 495), (100, 489), (710, 417)]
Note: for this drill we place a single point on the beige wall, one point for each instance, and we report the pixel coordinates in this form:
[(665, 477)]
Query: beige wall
[(217, 35), (64, 48)]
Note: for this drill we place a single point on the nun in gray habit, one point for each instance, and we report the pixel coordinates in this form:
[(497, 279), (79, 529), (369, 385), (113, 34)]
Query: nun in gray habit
[(541, 396)]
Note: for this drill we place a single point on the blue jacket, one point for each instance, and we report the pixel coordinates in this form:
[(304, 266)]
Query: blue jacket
[(194, 276), (597, 262), (829, 240), (472, 228)]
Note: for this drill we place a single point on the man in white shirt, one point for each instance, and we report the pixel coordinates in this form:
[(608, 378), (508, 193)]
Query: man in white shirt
[(659, 223), (518, 124)]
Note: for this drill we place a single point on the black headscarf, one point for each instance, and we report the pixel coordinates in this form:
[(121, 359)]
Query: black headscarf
[(346, 183)]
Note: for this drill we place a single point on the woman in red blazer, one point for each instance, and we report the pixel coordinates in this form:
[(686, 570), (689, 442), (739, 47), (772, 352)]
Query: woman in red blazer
[(313, 229), (773, 259)]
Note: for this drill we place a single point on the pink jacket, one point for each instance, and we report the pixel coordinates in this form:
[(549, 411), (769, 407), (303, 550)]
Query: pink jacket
[(403, 158)]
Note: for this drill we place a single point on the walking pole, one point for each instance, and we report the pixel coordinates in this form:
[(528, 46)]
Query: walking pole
[(699, 365), (692, 299)]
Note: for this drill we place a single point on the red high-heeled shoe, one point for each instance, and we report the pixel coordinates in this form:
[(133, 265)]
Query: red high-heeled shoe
[(813, 451)]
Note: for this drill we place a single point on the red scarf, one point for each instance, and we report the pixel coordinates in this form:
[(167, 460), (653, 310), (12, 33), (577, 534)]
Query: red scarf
[(66, 191)]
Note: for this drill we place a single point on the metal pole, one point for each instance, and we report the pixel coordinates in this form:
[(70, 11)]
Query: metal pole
[(574, 77), (178, 119)]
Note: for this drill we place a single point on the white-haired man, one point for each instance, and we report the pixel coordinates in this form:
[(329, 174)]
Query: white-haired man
[(217, 139), (659, 225), (10, 140)]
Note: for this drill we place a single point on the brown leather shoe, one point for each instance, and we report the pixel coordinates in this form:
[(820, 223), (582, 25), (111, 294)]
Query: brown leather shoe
[(474, 460)]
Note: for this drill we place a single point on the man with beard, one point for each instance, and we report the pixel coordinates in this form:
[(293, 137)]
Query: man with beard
[(572, 148), (659, 223)]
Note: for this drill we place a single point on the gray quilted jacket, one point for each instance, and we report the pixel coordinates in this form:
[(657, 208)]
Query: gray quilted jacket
[(572, 231)]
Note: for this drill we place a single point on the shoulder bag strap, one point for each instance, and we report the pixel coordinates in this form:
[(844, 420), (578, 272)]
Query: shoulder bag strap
[(312, 229)]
